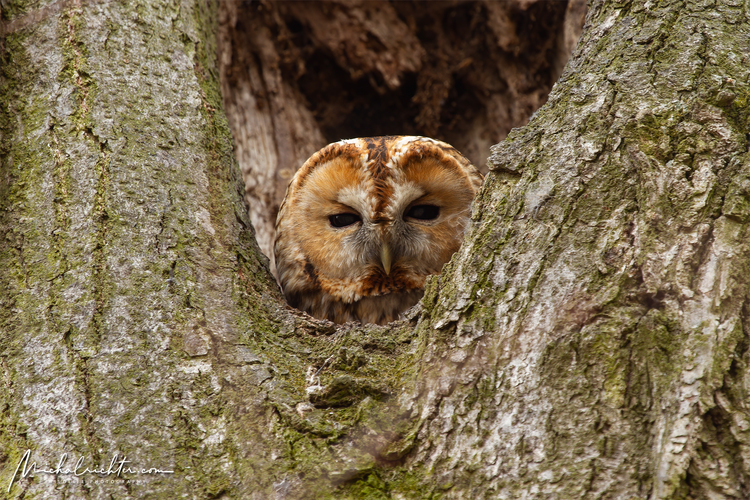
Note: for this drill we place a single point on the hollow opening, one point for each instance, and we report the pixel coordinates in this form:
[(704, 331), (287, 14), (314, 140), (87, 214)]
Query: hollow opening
[(299, 75)]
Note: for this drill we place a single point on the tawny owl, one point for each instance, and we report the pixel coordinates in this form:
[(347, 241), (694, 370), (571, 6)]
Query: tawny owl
[(365, 221)]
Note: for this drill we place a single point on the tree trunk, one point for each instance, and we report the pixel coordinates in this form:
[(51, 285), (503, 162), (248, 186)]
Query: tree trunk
[(589, 340), (129, 272)]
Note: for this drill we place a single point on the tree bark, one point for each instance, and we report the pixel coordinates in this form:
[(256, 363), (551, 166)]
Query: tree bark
[(127, 258), (589, 340)]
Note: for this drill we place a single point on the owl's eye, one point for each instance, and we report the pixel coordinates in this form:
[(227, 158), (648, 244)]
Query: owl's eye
[(343, 220), (423, 212)]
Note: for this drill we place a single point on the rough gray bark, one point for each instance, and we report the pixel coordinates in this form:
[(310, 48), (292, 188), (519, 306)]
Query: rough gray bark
[(591, 339), (588, 341), (124, 247)]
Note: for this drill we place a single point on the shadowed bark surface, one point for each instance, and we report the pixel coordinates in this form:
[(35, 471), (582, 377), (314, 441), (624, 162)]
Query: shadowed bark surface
[(589, 340)]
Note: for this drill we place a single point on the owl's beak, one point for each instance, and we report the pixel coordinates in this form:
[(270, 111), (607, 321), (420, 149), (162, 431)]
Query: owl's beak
[(386, 258)]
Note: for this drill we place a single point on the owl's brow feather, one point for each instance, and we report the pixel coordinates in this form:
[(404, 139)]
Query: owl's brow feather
[(328, 153), (449, 157), (377, 150), (378, 157)]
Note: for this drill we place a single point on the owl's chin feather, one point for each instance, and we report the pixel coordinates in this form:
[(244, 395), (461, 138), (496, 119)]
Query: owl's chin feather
[(380, 309)]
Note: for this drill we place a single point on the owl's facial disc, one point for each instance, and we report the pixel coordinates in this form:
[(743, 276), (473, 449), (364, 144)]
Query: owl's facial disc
[(365, 221)]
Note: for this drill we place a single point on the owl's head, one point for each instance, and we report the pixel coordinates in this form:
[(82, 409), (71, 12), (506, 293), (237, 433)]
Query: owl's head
[(365, 221)]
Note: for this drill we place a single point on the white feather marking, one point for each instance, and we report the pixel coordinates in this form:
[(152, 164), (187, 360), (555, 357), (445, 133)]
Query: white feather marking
[(403, 194), (358, 198)]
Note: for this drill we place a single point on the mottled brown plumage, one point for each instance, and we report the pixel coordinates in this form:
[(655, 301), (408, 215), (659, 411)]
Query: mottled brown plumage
[(365, 221)]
